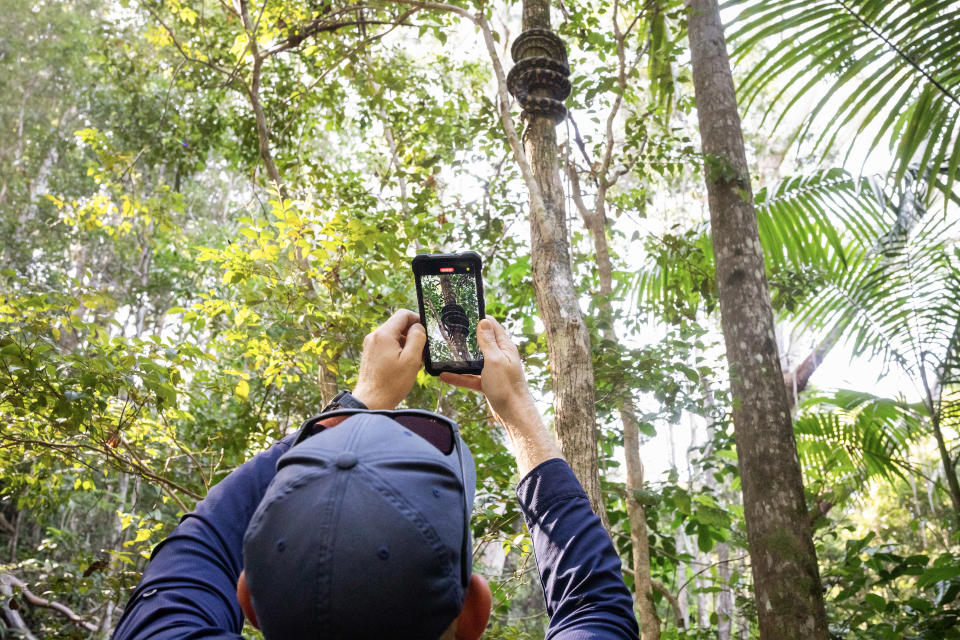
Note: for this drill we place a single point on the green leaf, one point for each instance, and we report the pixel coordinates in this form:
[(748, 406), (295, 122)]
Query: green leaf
[(937, 574), (875, 602)]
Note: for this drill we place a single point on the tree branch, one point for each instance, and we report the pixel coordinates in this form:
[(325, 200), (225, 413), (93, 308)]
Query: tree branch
[(537, 201), (176, 43), (577, 193), (37, 601), (796, 380), (673, 600), (253, 94), (5, 525), (708, 567), (662, 588), (122, 464), (318, 26)]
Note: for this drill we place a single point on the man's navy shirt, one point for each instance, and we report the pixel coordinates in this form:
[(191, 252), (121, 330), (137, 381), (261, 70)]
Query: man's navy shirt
[(189, 588)]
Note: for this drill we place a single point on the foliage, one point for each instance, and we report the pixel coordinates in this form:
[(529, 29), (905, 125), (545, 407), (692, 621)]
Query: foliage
[(889, 70), (846, 438), (879, 594), (167, 304)]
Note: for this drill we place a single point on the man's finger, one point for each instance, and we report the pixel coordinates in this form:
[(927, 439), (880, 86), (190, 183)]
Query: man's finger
[(399, 322), (462, 380), (413, 345), (486, 338), (501, 335)]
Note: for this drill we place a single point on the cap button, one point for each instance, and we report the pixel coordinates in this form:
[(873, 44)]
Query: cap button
[(346, 460)]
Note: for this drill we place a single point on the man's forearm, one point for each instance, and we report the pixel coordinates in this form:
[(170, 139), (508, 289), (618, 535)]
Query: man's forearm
[(532, 444), (579, 567)]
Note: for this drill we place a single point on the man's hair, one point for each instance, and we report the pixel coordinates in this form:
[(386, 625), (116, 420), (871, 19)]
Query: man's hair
[(359, 535)]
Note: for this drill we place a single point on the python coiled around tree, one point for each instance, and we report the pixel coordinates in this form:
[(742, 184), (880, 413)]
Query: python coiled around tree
[(540, 74), (454, 319)]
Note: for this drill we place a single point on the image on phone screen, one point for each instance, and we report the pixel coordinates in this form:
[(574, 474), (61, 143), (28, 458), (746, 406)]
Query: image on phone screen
[(450, 303)]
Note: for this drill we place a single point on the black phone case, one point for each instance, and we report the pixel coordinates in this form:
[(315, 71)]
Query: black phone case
[(419, 263)]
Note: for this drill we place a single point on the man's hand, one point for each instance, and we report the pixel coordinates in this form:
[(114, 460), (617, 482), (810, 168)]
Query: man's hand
[(502, 379), (392, 356), (503, 383)]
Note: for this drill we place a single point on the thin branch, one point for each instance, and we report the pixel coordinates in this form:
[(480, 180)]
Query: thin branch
[(229, 9), (707, 568), (581, 145), (314, 29), (5, 525), (662, 588), (537, 202), (124, 464), (188, 453), (253, 93), (37, 601), (577, 193), (301, 94), (673, 600), (180, 48)]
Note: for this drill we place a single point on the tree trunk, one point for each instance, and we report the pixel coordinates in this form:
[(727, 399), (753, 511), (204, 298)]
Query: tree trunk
[(786, 578), (456, 339), (725, 600), (636, 514), (568, 341)]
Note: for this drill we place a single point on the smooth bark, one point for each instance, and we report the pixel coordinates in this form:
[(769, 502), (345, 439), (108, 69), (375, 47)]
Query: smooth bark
[(786, 578)]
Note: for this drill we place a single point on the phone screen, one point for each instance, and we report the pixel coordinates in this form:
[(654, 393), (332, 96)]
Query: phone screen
[(451, 306)]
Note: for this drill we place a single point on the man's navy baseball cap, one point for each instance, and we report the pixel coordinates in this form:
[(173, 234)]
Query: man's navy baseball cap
[(359, 535)]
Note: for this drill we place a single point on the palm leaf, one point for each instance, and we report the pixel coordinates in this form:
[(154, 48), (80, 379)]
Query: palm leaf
[(849, 437), (817, 223), (890, 65)]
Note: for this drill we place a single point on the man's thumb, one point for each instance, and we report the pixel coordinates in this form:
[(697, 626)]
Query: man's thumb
[(416, 338), (486, 338)]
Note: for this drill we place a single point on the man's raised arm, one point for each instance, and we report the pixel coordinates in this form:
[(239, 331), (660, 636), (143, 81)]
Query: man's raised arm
[(579, 568)]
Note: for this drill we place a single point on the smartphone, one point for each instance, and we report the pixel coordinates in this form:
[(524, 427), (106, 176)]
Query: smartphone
[(450, 296)]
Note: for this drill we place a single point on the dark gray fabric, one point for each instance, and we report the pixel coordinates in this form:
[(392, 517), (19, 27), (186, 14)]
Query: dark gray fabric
[(359, 536)]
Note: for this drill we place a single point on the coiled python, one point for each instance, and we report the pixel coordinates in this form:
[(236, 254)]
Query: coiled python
[(539, 82)]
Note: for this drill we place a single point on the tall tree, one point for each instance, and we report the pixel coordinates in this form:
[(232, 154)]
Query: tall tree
[(788, 591), (595, 220), (568, 340)]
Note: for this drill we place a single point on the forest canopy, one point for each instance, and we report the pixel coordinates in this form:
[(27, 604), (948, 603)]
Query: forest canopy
[(205, 205)]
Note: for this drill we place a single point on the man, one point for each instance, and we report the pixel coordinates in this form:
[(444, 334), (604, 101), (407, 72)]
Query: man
[(357, 525)]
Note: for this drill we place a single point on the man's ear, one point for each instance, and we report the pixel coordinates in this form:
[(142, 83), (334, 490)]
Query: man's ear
[(473, 618), (243, 595)]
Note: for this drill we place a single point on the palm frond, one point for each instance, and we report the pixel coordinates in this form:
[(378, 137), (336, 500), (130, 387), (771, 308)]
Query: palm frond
[(886, 66), (898, 302), (816, 223), (849, 437)]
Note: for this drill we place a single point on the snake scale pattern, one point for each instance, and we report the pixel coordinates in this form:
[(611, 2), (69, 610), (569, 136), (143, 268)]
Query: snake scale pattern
[(540, 82)]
